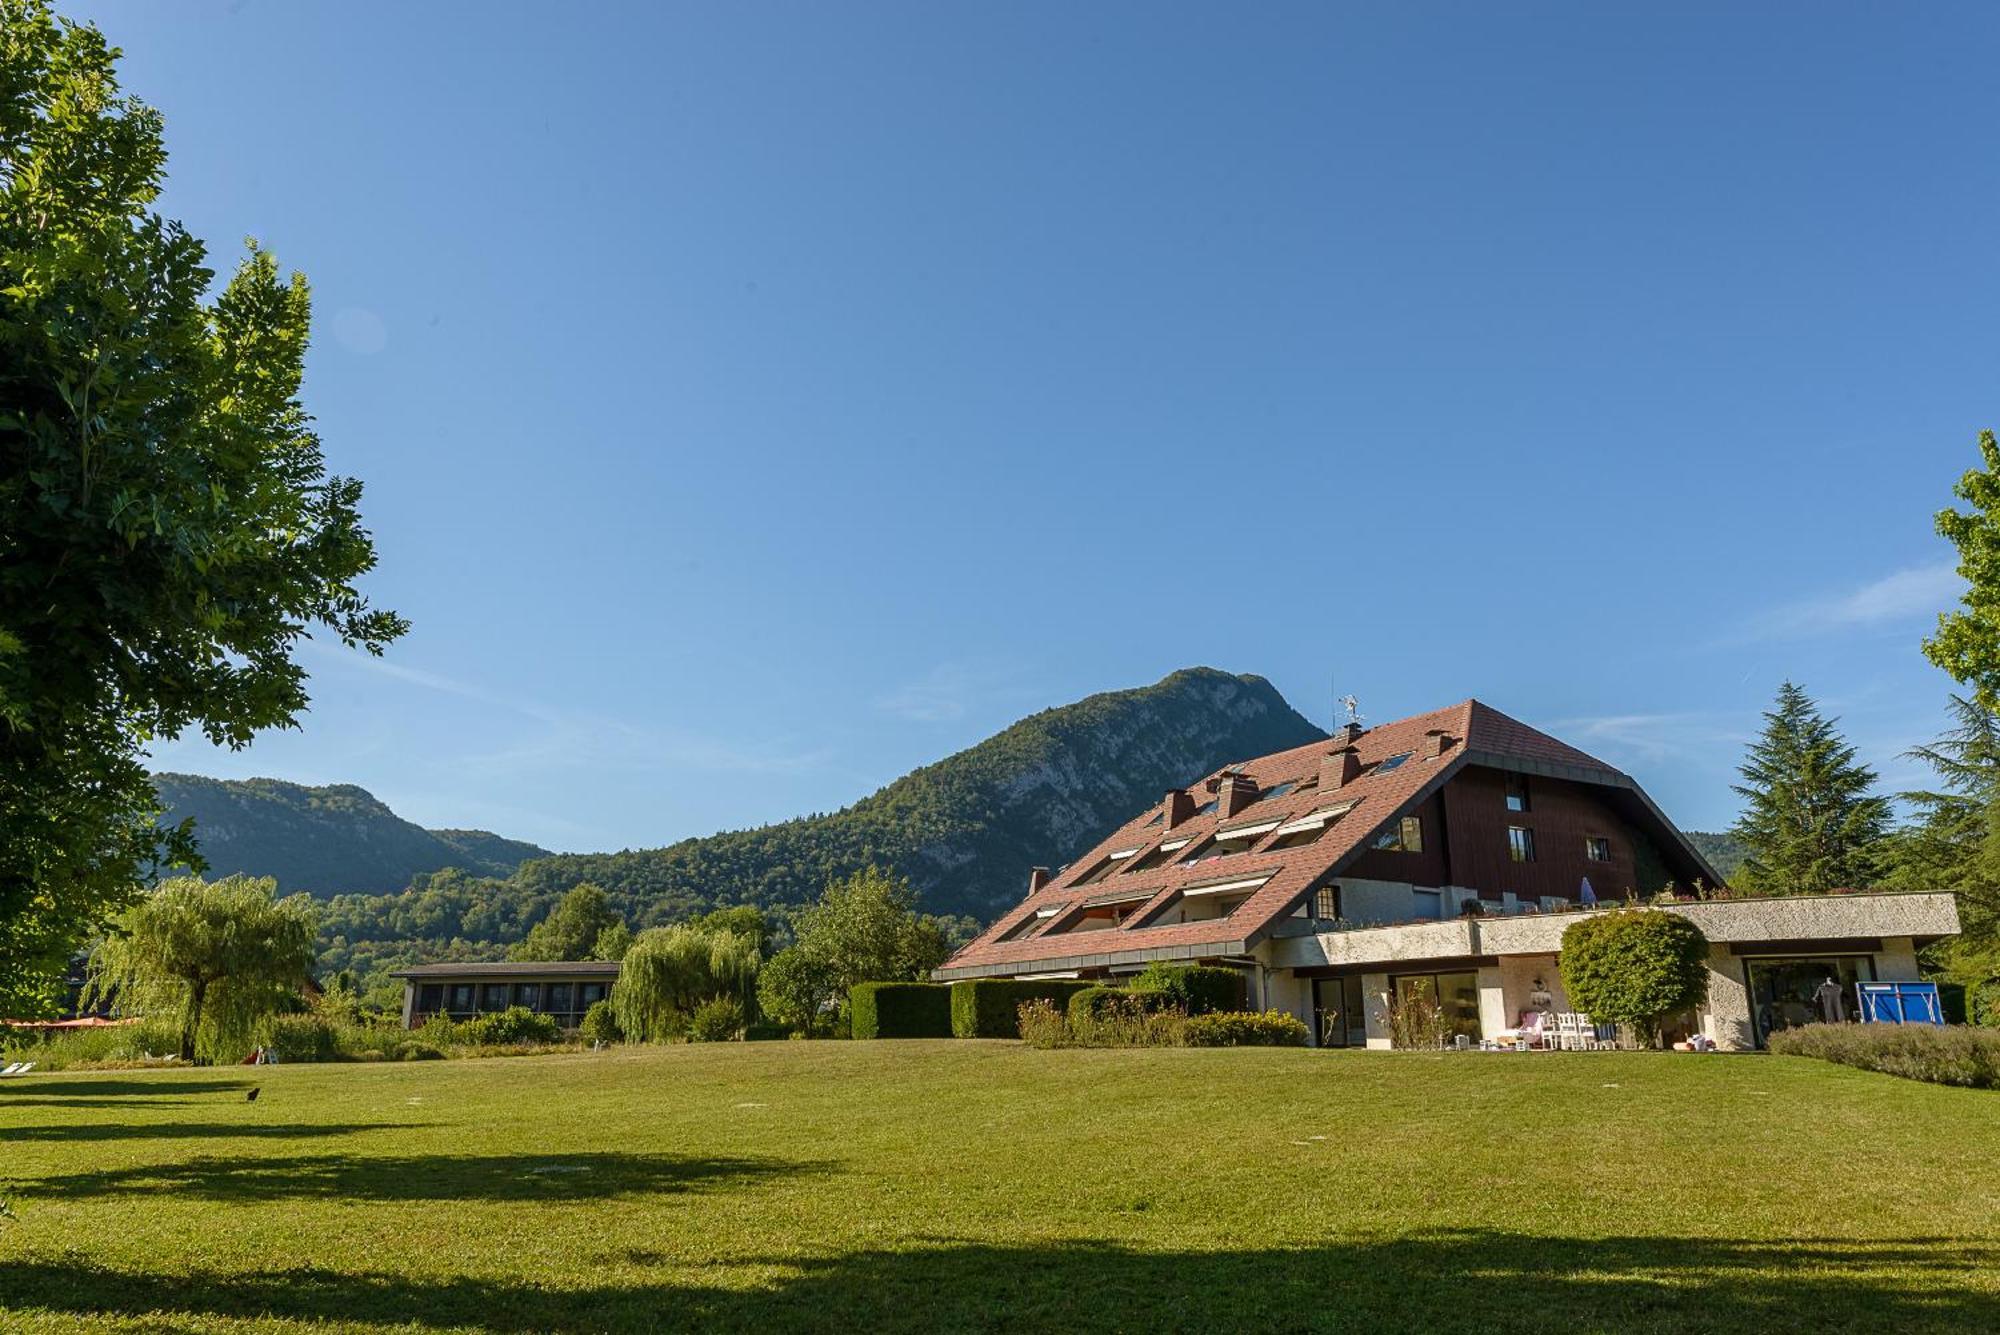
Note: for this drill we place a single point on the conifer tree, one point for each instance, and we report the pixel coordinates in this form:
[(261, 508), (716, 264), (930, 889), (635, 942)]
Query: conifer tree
[(1810, 820)]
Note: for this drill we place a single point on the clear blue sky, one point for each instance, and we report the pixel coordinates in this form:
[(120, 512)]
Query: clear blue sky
[(756, 402)]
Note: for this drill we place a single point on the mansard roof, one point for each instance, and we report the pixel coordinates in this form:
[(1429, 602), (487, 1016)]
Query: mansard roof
[(1279, 879)]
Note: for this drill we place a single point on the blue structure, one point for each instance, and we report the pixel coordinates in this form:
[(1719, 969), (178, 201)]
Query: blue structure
[(1900, 1003)]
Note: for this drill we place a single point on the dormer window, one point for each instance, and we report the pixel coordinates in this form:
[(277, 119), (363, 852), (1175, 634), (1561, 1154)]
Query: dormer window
[(1108, 864), (1160, 856), (1223, 843), (1309, 830)]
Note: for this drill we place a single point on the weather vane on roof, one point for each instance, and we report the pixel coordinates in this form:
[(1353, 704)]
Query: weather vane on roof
[(1353, 708)]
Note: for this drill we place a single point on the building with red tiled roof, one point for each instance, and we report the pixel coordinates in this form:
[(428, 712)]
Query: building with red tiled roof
[(1427, 864)]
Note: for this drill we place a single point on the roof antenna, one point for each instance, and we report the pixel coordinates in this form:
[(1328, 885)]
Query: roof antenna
[(1353, 708)]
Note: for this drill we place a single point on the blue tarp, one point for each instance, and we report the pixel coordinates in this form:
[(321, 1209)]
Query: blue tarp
[(1900, 1003)]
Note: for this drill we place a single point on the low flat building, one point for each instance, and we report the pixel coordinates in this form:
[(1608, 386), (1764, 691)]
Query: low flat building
[(563, 989), (1432, 862)]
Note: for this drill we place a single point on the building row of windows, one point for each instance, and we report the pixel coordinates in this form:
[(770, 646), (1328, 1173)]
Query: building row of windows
[(482, 998), (1521, 845)]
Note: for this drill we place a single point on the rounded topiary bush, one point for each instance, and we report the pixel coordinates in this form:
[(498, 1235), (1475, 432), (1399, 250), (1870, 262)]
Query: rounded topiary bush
[(1634, 967), (600, 1024)]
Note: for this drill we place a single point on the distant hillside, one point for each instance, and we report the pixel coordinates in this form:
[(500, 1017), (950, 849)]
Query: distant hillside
[(324, 840), (1725, 852), (966, 829)]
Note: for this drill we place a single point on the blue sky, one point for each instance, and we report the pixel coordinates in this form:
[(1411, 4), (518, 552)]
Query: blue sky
[(758, 401)]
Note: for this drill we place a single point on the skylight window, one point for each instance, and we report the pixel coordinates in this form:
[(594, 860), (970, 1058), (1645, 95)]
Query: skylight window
[(1279, 791), (1393, 762)]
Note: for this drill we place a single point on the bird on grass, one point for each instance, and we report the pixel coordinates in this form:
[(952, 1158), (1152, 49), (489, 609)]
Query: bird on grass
[(251, 1097)]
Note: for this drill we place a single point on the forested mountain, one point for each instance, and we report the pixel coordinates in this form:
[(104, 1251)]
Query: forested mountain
[(323, 840), (1725, 852), (965, 830)]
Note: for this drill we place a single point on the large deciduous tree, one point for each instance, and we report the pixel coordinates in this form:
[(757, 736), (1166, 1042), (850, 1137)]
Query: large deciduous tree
[(582, 926), (216, 957), (1967, 643), (168, 529), (864, 929), (669, 972), (1810, 820)]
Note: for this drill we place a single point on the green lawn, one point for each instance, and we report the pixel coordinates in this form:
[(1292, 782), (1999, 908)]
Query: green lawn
[(941, 1185)]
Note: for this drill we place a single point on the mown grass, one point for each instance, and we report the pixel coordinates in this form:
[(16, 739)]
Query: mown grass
[(965, 1185)]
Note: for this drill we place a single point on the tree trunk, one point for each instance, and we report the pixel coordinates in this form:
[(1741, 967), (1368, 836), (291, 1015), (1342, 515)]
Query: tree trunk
[(196, 995)]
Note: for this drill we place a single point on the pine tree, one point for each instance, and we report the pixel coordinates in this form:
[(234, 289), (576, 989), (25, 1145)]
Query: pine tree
[(1809, 819)]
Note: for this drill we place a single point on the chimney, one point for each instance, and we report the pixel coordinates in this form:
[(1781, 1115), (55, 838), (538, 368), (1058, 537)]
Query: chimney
[(1179, 807), (1037, 878), (1338, 769), (1435, 741), (1350, 732), (1235, 792)]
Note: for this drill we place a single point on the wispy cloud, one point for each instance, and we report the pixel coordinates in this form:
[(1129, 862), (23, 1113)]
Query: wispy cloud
[(1651, 738), (1906, 595)]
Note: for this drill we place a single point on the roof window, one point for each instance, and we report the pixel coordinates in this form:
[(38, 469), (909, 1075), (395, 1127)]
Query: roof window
[(1393, 762)]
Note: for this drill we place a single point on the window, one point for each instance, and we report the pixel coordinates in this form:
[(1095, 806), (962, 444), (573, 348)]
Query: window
[(1446, 1001), (1405, 836), (559, 998), (588, 995), (1302, 832), (1326, 903), (1520, 843), (1104, 868), (1205, 807), (1160, 856), (1393, 762), (1338, 1014), (1789, 992), (1226, 842), (1517, 792), (527, 994), (1597, 848), (461, 998), (1279, 791), (495, 998), (429, 997), (1158, 816)]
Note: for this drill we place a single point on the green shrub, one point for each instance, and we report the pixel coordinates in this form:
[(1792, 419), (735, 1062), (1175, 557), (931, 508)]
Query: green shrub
[(1121, 1019), (717, 1020), (990, 1007), (516, 1024), (1194, 988), (600, 1024), (1246, 1029), (1634, 966), (1942, 1055), (900, 1010), (418, 1052), (151, 1042), (301, 1038), (1089, 1003)]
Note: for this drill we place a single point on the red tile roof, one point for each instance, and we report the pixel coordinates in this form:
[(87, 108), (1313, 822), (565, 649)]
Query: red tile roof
[(1473, 731)]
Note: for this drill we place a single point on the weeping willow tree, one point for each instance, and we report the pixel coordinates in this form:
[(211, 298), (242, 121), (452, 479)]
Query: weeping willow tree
[(214, 956), (669, 971)]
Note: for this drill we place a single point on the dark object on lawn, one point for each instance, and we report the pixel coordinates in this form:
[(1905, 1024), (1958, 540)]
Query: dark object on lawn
[(251, 1097)]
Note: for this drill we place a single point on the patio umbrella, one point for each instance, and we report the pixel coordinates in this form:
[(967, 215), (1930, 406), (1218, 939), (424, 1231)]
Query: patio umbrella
[(1586, 894)]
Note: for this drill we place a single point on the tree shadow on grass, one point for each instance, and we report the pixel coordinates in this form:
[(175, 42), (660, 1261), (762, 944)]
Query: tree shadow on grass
[(83, 1131), (1448, 1281), (486, 1177), (58, 1084)]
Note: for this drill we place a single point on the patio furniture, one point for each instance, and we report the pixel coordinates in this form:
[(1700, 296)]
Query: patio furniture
[(17, 1068)]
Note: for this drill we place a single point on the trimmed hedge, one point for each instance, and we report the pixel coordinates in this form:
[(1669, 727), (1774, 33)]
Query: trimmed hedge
[(900, 1010), (1197, 989), (1947, 1055), (990, 1007), (1245, 1029)]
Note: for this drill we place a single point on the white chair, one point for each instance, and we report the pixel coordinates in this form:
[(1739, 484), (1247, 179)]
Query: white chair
[(18, 1068)]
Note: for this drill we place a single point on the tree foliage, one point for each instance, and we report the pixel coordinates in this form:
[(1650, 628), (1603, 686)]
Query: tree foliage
[(1953, 843), (574, 929), (215, 956), (1967, 643), (670, 973), (1634, 966), (168, 530), (864, 929), (1810, 823)]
